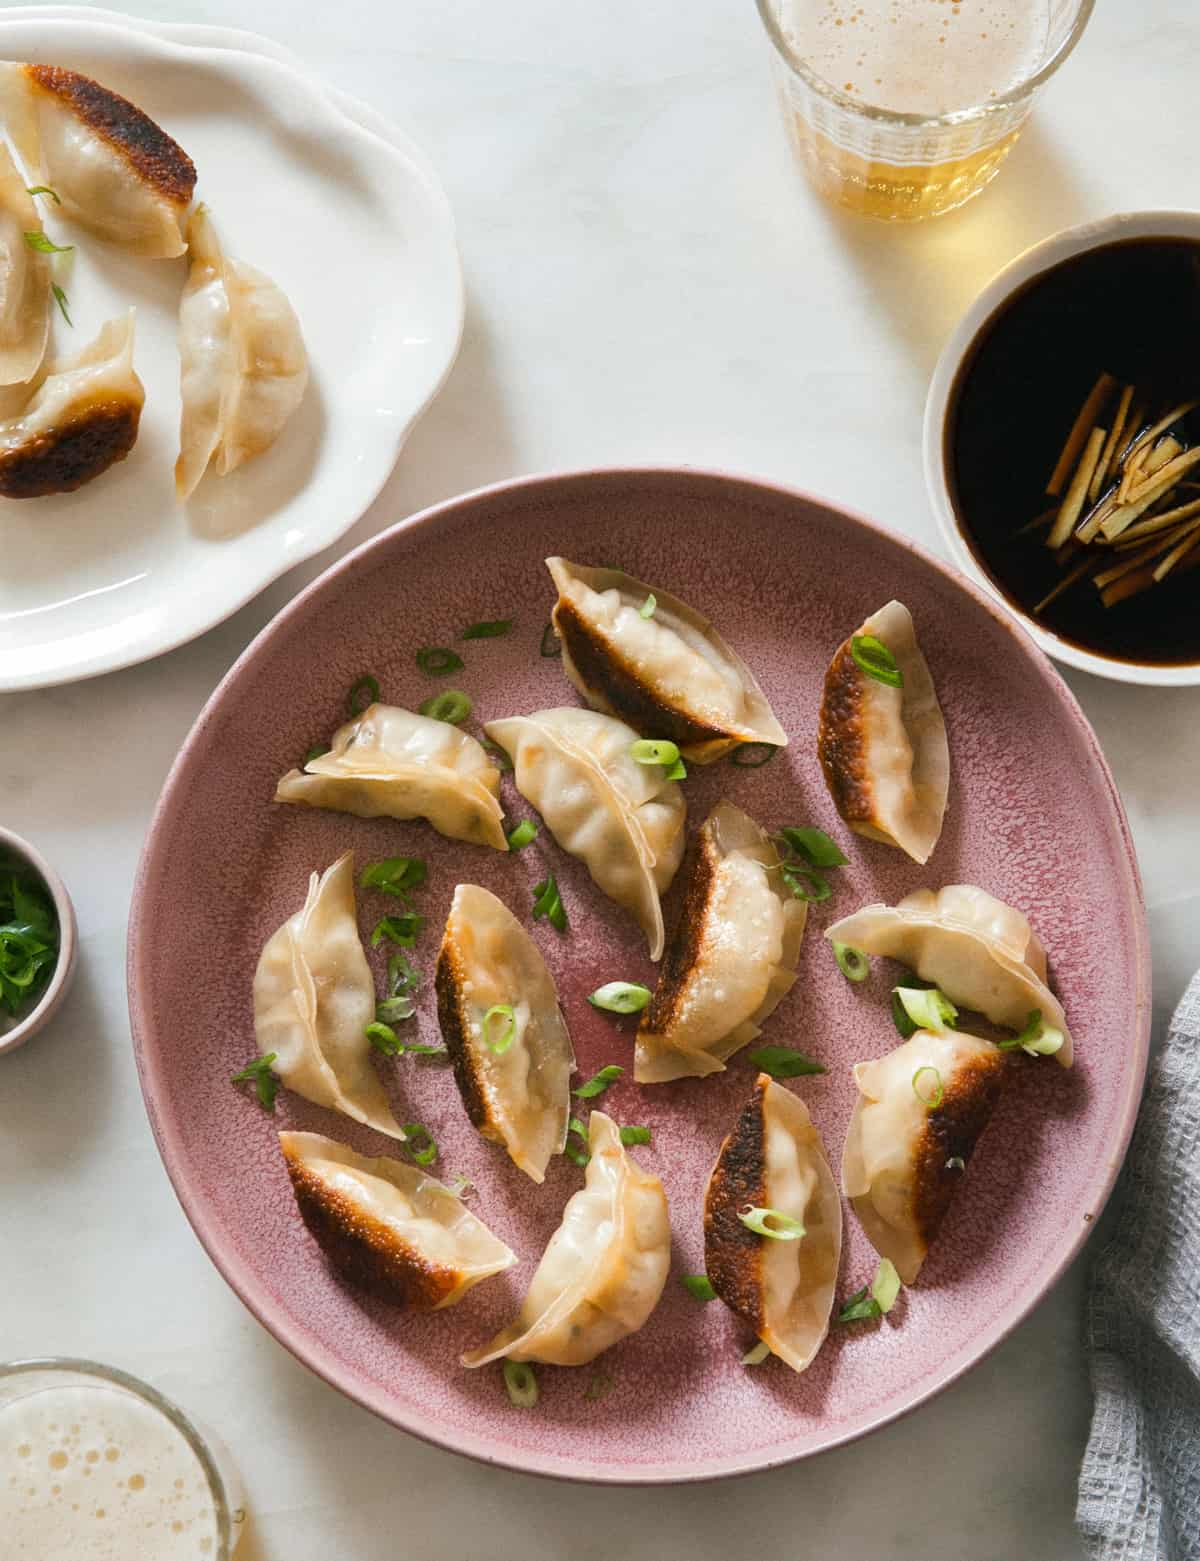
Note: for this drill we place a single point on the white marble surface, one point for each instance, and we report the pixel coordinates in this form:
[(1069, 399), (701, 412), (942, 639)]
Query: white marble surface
[(649, 279)]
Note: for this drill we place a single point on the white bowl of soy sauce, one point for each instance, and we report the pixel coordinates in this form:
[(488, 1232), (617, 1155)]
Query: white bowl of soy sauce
[(1109, 313), (38, 941)]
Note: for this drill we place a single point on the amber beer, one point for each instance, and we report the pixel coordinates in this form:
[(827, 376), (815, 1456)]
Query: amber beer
[(902, 109)]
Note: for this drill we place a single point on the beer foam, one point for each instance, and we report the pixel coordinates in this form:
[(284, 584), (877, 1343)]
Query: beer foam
[(919, 56), (90, 1472)]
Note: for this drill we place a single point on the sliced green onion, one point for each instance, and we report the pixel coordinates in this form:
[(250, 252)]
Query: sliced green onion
[(489, 629), (885, 1287), (813, 846), (783, 1062), (900, 1016), (771, 1222), (635, 1135), (678, 771), (650, 751), (646, 610), (599, 1082), (459, 1185), (1037, 1038), (752, 756), (956, 1163), (521, 1383), (874, 658), (757, 1355), (806, 883), (547, 902), (498, 756), (499, 1043), (29, 936), (860, 1306), (551, 644), (620, 997), (417, 1134), (525, 831), (46, 246), (60, 298), (578, 1154), (394, 1010), (927, 1007), (412, 1049), (402, 977), (363, 694), (452, 706), (266, 1085), (931, 1094), (43, 189), (317, 751), (394, 875), (403, 929), (574, 1125), (383, 1038), (600, 1386), (699, 1287), (852, 962), (436, 660)]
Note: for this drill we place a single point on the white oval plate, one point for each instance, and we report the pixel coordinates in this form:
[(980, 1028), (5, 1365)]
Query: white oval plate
[(346, 214)]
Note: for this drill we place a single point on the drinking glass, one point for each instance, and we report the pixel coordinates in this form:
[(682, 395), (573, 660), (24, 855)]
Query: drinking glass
[(900, 165)]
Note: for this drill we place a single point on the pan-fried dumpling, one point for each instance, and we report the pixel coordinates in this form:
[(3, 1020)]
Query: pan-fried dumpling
[(113, 169), (389, 1227), (81, 420), (604, 1268), (243, 368), (730, 960), (624, 820), (782, 1285), (24, 280), (391, 763), (919, 1115), (884, 749), (515, 1079), (313, 1000), (982, 953), (669, 674)]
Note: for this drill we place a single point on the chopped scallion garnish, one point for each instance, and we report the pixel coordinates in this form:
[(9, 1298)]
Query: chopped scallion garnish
[(402, 977), (452, 706), (551, 645), (771, 1222), (927, 1007), (60, 298), (43, 189), (420, 1143), (547, 902), (497, 755), (396, 875), (646, 610), (317, 751), (525, 831), (46, 246), (521, 1384), (783, 1062), (578, 1154), (752, 756), (402, 930), (678, 771), (900, 1016), (875, 1299), (874, 658), (650, 751), (489, 629), (806, 883), (1037, 1038), (436, 661), (929, 1091), (757, 1355), (599, 1082), (699, 1287), (29, 937), (383, 1038), (635, 1135), (499, 1038), (852, 962), (459, 1185), (956, 1163), (811, 845), (266, 1085), (363, 694), (620, 997)]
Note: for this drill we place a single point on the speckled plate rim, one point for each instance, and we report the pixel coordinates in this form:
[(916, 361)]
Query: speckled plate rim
[(244, 1282)]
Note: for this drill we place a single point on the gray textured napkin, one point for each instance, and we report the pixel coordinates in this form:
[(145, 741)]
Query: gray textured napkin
[(1139, 1489)]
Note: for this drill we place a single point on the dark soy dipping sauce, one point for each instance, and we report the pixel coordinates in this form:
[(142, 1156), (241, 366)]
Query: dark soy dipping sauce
[(1132, 308)]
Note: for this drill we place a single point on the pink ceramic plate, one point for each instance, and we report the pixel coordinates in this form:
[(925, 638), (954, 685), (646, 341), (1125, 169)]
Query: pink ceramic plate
[(1034, 817)]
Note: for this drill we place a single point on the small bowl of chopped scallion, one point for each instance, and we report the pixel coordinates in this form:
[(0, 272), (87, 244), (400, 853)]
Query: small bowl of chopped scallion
[(37, 940)]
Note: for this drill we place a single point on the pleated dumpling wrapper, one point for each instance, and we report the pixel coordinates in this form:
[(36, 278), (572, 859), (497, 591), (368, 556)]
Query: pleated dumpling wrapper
[(388, 1227), (882, 742), (113, 169), (81, 419), (507, 1038), (730, 960), (24, 279), (639, 653), (782, 1282), (920, 1112), (982, 953), (243, 367), (604, 1268), (623, 819), (314, 997), (392, 763)]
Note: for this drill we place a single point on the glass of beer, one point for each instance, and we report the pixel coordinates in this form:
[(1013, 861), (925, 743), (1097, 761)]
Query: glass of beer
[(903, 109)]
